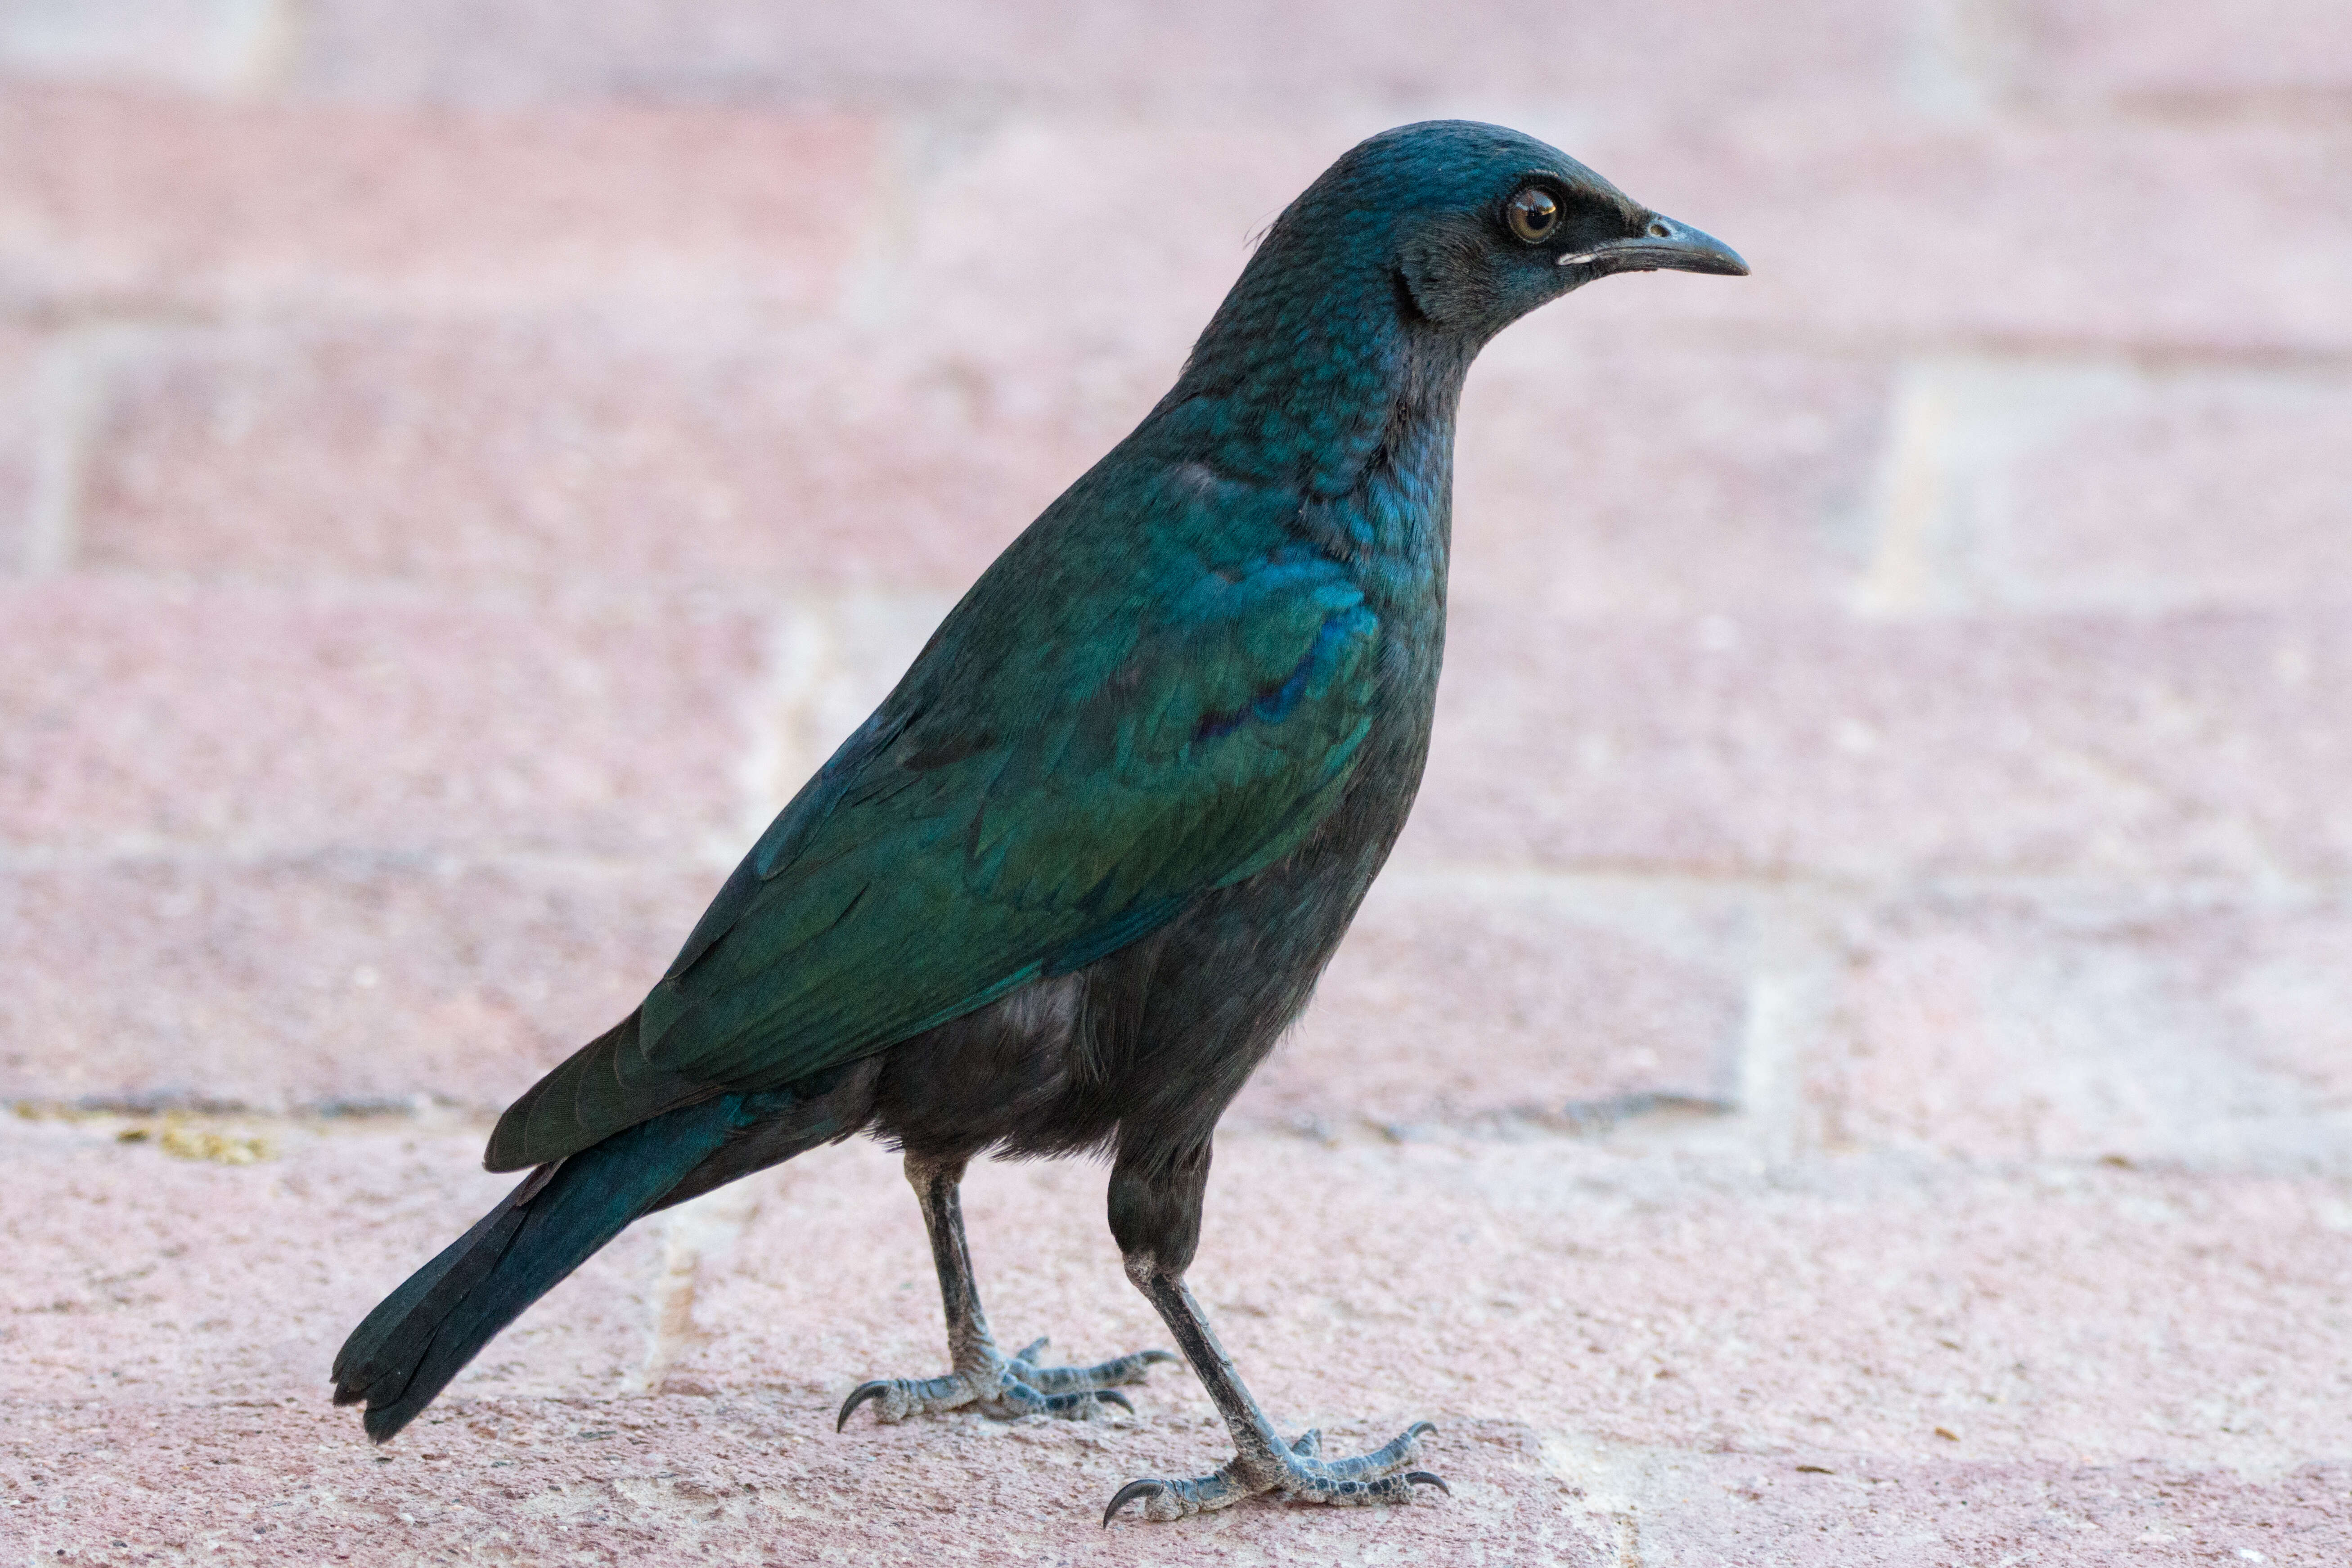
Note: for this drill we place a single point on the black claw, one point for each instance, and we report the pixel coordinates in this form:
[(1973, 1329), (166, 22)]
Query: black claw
[(1152, 1357), (859, 1396), (1128, 1494), (1113, 1396), (1425, 1479), (1421, 1429)]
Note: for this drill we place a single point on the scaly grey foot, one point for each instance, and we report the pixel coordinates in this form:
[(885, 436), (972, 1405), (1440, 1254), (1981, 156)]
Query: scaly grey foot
[(1007, 1389), (1299, 1474)]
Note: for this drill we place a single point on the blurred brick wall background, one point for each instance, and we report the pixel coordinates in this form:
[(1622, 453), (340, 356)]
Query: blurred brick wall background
[(1868, 987)]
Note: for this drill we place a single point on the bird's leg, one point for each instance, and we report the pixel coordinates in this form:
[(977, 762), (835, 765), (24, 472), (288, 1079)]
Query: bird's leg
[(984, 1376), (1262, 1461)]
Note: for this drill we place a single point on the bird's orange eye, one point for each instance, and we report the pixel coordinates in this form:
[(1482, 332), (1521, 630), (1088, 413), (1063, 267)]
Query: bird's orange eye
[(1533, 214)]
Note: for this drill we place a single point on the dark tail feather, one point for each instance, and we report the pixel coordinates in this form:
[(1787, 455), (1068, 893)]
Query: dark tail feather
[(423, 1334)]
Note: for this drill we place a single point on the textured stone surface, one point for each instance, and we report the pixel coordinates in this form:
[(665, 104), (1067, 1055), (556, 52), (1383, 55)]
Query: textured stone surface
[(336, 979), (2271, 54), (1181, 56), (2192, 493), (785, 465), (1609, 1342), (2086, 745), (2204, 1034), (2089, 483), (1848, 1065), (160, 205), (136, 718), (149, 1262), (1007, 258), (1596, 478), (207, 44), (1466, 1000), (22, 397)]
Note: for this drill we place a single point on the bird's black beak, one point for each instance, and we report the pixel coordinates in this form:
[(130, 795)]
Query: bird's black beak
[(1662, 245)]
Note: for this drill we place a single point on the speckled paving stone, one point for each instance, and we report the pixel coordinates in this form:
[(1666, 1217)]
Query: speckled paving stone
[(217, 46), (2201, 1032), (1847, 1065), (2180, 56), (325, 981), (1869, 1349), (1459, 1000), (1004, 258), (168, 1279), (137, 718), (167, 205), (1179, 57), (2177, 492), (1700, 1509), (22, 397), (1613, 478), (771, 466), (2079, 745)]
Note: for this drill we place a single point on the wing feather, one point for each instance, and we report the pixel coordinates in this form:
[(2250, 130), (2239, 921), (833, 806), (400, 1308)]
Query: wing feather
[(1058, 775)]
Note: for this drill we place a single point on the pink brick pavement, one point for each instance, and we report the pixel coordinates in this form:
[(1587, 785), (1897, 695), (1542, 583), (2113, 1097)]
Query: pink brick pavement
[(1850, 1065)]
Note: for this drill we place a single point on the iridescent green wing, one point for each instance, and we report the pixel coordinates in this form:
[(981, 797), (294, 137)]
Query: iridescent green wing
[(1079, 753)]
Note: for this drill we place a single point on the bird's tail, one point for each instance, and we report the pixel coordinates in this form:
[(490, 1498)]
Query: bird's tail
[(423, 1334)]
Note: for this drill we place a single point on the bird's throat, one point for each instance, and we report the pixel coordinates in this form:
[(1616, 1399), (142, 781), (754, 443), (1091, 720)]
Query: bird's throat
[(1392, 513)]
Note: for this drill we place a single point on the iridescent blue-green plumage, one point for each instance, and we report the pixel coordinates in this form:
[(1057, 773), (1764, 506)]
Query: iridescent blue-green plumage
[(1069, 882), (1091, 742)]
